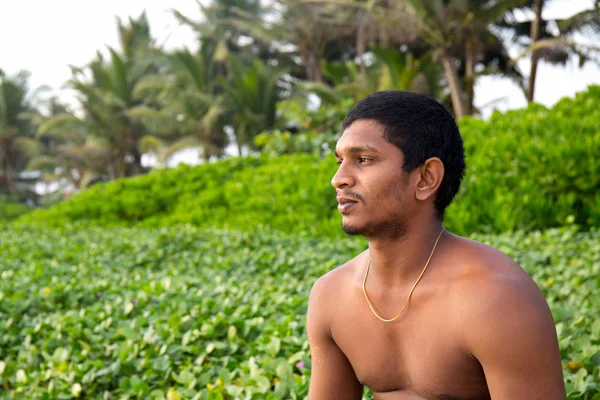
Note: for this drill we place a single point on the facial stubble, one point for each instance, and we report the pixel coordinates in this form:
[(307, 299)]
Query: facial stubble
[(391, 226)]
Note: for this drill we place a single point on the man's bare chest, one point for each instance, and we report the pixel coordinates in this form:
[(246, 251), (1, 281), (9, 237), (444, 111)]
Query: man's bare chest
[(418, 356)]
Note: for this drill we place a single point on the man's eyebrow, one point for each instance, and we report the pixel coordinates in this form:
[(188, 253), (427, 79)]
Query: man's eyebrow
[(360, 149)]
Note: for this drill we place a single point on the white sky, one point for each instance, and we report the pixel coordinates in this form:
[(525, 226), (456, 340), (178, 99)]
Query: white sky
[(44, 37)]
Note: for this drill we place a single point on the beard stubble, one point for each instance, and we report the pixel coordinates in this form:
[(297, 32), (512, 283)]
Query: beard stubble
[(391, 226)]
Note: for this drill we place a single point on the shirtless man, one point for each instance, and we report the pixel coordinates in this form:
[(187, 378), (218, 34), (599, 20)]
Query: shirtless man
[(476, 326)]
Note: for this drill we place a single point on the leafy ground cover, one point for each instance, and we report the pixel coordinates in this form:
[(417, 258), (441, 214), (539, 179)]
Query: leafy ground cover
[(185, 313)]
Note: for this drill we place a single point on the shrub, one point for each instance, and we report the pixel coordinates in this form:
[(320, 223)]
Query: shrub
[(10, 210), (527, 169)]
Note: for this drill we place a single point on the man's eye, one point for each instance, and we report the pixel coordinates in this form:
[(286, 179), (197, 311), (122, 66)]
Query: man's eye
[(338, 161), (363, 160)]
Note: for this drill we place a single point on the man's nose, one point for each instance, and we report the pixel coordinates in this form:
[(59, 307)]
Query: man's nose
[(342, 178)]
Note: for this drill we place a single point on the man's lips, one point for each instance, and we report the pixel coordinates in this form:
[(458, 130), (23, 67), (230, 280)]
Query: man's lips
[(345, 204)]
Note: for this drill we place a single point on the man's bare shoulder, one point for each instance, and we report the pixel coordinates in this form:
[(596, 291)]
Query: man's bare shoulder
[(336, 280), (490, 285), (505, 323), (327, 294), (481, 268)]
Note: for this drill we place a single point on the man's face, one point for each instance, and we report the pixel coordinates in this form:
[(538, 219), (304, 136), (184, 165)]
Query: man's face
[(370, 183)]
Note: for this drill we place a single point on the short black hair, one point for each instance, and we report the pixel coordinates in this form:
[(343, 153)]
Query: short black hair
[(422, 128)]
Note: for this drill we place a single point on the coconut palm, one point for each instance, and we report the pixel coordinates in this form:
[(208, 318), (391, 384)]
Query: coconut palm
[(298, 34), (455, 33), (189, 95), (69, 153), (253, 92), (362, 20), (452, 28), (389, 70), (17, 144), (217, 33), (537, 39), (107, 94)]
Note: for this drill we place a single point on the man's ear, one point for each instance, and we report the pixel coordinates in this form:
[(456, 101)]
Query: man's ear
[(430, 178)]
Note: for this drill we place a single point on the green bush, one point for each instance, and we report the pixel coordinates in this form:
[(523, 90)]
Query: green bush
[(532, 168), (10, 210), (527, 169)]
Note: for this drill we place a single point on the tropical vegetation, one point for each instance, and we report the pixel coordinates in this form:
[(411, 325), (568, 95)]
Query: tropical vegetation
[(533, 168), (134, 280), (255, 60)]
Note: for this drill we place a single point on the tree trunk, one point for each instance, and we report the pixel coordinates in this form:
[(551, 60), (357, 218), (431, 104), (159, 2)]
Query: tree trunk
[(8, 172), (470, 76), (112, 173), (137, 161), (456, 90), (240, 136), (121, 165), (360, 44), (314, 68), (206, 149), (535, 35)]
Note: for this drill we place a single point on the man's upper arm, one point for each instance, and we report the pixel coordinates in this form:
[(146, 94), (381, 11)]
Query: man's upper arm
[(512, 334), (332, 376)]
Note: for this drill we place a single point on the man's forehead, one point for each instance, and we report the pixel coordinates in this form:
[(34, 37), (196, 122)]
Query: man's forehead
[(356, 147), (360, 136)]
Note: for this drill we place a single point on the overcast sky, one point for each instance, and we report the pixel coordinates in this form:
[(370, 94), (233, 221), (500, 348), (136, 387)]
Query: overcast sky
[(44, 37)]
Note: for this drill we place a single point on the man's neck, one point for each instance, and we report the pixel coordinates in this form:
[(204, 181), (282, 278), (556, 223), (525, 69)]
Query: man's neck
[(396, 261)]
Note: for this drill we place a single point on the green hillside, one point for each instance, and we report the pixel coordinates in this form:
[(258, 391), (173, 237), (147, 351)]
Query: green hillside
[(526, 169)]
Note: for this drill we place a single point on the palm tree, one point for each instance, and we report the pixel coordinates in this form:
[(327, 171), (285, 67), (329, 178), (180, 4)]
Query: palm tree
[(253, 92), (188, 94), (452, 28), (69, 152), (17, 144), (218, 34), (109, 99), (389, 70), (537, 38), (362, 20), (298, 34), (456, 33)]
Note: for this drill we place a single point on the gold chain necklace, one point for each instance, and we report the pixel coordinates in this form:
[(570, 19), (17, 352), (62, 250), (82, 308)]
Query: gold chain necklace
[(411, 290)]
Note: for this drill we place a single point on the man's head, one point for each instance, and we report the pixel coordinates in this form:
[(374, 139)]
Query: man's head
[(400, 155)]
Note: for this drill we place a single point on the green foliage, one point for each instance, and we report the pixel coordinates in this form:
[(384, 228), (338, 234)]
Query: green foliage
[(278, 142), (10, 210), (318, 129), (206, 314), (134, 313), (526, 169), (136, 199), (532, 168)]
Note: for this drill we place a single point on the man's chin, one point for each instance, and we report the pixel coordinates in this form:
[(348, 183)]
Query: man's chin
[(391, 230), (353, 229)]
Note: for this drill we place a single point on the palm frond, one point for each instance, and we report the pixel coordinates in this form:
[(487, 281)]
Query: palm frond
[(556, 50), (149, 143), (119, 77), (44, 162), (586, 22), (28, 146), (327, 94), (182, 144), (493, 11), (87, 179), (60, 123)]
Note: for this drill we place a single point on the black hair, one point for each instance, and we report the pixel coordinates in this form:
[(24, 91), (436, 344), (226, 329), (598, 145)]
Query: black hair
[(422, 128)]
